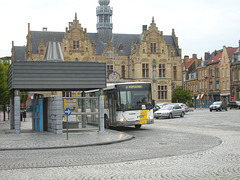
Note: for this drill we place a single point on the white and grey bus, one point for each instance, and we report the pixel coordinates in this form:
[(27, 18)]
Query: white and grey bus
[(128, 104)]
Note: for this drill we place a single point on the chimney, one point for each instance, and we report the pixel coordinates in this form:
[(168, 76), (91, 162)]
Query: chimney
[(173, 32), (206, 55), (28, 27), (44, 28), (186, 57), (194, 56), (12, 44), (144, 28)]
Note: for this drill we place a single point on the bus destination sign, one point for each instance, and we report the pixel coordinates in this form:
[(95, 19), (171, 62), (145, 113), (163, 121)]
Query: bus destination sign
[(134, 87)]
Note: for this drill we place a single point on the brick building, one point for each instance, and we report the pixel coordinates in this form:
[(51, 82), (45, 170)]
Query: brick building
[(235, 75), (210, 80)]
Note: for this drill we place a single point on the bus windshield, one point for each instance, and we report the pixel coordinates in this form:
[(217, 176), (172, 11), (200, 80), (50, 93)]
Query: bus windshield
[(134, 98)]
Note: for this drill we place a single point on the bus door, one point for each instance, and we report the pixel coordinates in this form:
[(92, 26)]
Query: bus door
[(112, 108)]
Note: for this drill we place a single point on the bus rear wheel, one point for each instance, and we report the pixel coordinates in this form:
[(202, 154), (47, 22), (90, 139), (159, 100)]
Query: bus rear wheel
[(138, 126)]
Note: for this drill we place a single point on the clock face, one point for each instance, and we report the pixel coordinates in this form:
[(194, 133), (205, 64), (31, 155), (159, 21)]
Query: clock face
[(109, 55)]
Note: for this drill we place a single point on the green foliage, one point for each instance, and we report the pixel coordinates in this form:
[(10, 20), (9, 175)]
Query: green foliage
[(181, 95), (4, 94), (23, 96), (190, 104)]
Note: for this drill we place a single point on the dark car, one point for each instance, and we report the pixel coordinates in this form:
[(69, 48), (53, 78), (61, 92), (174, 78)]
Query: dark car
[(218, 106), (234, 104)]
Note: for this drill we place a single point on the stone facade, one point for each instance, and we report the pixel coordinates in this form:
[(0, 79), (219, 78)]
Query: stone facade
[(235, 75), (55, 109), (224, 73), (149, 56)]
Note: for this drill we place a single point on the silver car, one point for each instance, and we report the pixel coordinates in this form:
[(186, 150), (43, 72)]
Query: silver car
[(184, 107), (169, 111)]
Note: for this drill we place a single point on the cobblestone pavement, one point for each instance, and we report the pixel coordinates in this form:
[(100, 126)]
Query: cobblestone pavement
[(202, 145), (29, 139)]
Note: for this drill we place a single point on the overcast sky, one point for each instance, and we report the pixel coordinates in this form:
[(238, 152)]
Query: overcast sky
[(200, 25)]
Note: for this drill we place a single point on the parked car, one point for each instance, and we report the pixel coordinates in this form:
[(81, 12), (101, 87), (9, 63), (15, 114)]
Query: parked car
[(184, 106), (158, 106), (234, 104), (218, 106), (169, 111)]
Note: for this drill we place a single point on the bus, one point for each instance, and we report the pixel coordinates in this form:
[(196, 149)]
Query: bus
[(128, 104)]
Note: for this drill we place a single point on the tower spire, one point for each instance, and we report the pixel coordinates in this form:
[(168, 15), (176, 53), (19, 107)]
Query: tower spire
[(104, 15), (104, 21), (75, 16), (153, 19)]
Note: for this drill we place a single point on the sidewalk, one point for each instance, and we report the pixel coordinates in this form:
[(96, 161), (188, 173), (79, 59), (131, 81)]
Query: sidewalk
[(29, 139)]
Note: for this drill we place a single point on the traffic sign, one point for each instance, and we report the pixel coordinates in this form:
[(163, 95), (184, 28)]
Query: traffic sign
[(67, 111)]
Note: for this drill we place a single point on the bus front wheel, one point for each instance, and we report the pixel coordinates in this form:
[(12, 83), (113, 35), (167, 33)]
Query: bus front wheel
[(138, 126)]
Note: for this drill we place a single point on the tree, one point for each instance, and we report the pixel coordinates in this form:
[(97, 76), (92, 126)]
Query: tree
[(23, 97), (181, 95), (4, 94)]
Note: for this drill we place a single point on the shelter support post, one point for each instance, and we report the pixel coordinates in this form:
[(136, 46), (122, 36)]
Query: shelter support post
[(101, 112), (12, 110), (84, 117), (17, 122)]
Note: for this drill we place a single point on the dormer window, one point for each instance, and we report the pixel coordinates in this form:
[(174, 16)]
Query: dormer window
[(41, 51), (121, 47)]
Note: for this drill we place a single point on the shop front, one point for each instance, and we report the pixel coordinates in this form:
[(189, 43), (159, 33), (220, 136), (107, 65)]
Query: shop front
[(225, 97)]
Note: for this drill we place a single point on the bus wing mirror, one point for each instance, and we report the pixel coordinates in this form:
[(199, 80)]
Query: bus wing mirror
[(153, 103)]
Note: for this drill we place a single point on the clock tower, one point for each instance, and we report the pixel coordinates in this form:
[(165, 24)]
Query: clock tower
[(104, 21)]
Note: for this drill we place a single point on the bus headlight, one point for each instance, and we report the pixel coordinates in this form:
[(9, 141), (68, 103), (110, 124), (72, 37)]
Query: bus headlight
[(120, 119), (151, 117)]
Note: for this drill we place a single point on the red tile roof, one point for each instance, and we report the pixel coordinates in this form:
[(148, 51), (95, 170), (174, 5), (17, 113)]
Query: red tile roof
[(217, 58), (230, 51), (188, 63)]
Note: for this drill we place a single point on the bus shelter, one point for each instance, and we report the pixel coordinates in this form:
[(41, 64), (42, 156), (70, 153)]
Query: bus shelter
[(52, 76)]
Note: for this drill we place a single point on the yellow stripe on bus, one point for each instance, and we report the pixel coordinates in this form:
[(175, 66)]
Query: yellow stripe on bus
[(143, 116), (64, 107)]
